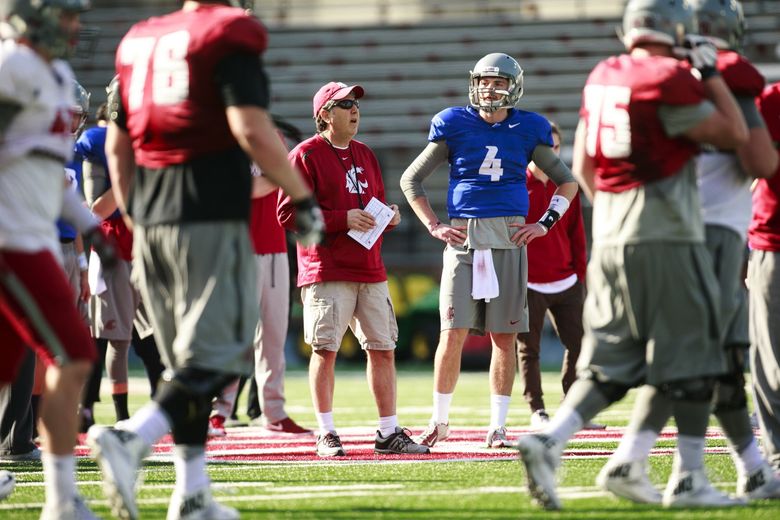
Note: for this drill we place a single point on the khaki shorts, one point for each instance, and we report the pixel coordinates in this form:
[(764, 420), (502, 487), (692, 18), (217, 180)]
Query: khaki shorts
[(330, 307), (506, 314), (651, 314), (112, 311)]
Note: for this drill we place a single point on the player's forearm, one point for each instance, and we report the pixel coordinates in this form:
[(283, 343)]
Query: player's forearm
[(582, 165), (121, 164), (734, 132), (422, 208)]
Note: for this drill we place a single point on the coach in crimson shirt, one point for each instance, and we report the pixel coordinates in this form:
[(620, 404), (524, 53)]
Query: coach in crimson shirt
[(556, 277), (764, 289)]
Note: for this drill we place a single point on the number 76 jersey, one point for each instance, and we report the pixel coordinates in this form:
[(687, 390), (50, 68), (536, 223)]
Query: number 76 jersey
[(625, 133), (167, 67), (488, 161)]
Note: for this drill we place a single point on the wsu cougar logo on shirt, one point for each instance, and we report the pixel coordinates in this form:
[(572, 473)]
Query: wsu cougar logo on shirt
[(353, 183)]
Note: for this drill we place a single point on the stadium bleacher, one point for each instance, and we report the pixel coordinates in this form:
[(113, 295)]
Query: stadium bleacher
[(412, 70)]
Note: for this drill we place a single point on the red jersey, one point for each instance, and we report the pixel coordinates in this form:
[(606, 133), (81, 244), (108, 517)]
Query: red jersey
[(268, 235), (339, 179), (166, 68), (742, 78), (764, 230), (625, 134), (561, 252)]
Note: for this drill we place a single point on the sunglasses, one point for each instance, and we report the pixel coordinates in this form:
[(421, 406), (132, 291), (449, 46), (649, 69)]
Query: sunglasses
[(347, 104)]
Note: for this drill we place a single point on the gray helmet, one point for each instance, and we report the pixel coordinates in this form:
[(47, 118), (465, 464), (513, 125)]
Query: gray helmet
[(722, 21), (39, 22), (81, 107), (494, 65), (657, 21)]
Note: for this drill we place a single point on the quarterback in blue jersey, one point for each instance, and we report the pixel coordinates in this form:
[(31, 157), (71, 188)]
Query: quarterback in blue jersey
[(488, 146)]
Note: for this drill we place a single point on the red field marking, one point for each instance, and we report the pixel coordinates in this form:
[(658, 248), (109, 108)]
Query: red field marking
[(258, 445)]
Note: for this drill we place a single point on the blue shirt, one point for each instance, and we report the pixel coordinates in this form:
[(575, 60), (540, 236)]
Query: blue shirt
[(488, 161), (92, 147), (73, 175)]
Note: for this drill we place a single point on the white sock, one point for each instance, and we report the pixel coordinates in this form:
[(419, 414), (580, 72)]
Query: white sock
[(634, 446), (150, 423), (189, 463), (325, 422), (691, 451), (387, 425), (58, 475), (499, 407), (564, 424), (749, 460), (441, 408)]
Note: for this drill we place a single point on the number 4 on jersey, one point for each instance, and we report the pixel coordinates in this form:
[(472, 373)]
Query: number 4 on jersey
[(490, 165)]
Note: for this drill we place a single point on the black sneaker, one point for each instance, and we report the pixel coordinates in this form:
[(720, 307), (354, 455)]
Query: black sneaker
[(398, 443), (329, 445)]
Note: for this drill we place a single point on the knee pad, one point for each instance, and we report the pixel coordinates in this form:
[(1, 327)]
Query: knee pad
[(729, 392), (186, 395), (611, 391), (695, 389)]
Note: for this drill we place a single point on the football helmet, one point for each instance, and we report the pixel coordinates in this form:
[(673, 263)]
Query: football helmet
[(39, 22), (80, 108), (494, 65), (721, 21), (657, 21)]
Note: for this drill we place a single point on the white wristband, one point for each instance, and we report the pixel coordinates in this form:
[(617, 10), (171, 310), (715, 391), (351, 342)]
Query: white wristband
[(559, 204), (82, 260)]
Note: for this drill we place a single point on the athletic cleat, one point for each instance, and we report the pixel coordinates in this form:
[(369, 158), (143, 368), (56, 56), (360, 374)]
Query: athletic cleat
[(629, 480), (199, 506), (217, 426), (434, 433), (119, 453), (76, 509), (398, 443), (761, 484), (287, 425), (497, 439), (7, 483), (590, 425), (541, 457), (539, 419), (693, 489), (31, 456), (329, 445)]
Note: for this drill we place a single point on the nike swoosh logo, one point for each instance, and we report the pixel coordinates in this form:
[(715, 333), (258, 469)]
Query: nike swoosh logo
[(514, 322), (514, 125)]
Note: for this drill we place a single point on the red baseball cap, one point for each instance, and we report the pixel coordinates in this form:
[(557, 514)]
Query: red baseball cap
[(769, 105), (334, 91)]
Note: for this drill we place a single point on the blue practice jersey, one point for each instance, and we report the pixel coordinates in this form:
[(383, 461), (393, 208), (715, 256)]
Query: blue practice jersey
[(488, 161), (92, 147), (73, 176)]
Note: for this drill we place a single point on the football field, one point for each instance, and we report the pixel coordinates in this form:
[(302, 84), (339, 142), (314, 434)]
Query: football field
[(268, 475)]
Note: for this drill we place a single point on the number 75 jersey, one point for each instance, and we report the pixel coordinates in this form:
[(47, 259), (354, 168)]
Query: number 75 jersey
[(488, 161), (624, 131), (167, 70)]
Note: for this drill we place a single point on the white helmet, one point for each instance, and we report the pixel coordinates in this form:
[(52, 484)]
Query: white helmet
[(494, 65), (657, 21)]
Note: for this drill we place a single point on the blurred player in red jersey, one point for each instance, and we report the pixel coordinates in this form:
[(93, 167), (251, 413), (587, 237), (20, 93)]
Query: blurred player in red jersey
[(724, 178), (37, 306), (764, 289), (190, 104), (651, 314)]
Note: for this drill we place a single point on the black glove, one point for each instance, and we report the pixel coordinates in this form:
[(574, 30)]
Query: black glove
[(703, 55), (104, 246), (308, 221)]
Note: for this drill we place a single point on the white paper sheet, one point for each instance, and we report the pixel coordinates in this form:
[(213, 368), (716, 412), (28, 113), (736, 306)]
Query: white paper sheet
[(382, 216)]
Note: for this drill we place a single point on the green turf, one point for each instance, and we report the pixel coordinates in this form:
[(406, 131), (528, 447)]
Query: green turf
[(440, 490)]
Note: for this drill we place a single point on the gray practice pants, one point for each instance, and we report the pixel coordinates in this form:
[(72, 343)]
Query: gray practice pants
[(764, 290)]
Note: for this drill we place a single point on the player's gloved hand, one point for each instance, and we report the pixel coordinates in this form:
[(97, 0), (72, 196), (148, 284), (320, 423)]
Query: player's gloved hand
[(702, 54), (309, 221), (104, 246)]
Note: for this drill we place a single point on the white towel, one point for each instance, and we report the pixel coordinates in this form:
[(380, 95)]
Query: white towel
[(484, 282), (97, 285)]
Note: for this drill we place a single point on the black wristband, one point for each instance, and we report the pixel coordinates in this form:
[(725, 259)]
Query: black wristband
[(708, 72), (549, 219)]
